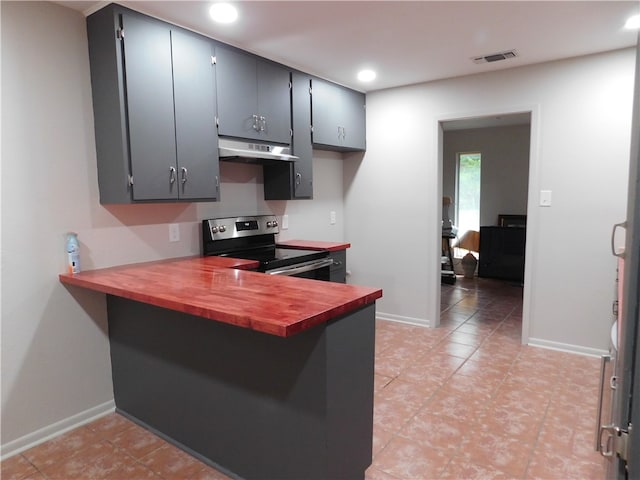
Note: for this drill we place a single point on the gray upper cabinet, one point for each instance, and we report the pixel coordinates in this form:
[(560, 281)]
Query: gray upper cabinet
[(354, 113), (294, 180), (253, 97), (149, 86), (163, 94), (338, 117), (195, 113), (154, 107)]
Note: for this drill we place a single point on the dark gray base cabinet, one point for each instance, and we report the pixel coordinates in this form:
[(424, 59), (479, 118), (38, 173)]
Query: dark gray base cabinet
[(338, 271), (294, 180), (338, 117), (154, 104), (256, 405)]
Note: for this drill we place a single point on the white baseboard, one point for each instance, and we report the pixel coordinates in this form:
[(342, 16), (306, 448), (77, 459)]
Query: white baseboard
[(421, 322), (567, 347), (30, 440)]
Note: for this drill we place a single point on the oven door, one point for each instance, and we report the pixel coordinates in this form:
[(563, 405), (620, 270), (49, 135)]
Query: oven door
[(314, 269)]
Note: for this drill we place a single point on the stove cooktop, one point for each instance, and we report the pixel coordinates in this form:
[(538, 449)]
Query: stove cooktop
[(252, 238), (273, 257)]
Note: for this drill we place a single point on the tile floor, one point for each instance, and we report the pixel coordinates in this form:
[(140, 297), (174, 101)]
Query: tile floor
[(464, 401), (468, 401)]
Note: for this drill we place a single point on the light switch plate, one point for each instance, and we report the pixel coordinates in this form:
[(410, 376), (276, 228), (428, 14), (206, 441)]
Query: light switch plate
[(285, 222), (332, 217), (545, 198)]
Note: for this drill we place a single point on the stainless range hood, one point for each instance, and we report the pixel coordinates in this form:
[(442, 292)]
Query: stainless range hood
[(233, 150)]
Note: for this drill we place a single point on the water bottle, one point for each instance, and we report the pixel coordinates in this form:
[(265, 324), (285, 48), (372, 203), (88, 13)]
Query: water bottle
[(73, 253)]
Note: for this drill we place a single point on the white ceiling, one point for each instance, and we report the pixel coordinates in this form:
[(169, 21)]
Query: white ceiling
[(405, 42)]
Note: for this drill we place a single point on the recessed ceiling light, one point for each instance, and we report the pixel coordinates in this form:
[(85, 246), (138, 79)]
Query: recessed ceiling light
[(633, 22), (366, 75), (223, 13)]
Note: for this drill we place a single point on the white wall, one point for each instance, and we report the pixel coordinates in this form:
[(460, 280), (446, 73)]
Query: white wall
[(55, 352), (505, 168), (580, 150)]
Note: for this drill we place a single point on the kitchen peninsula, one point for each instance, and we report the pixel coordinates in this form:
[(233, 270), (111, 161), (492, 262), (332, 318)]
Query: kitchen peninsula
[(262, 376)]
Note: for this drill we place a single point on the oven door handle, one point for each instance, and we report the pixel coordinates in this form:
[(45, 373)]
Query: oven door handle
[(303, 267)]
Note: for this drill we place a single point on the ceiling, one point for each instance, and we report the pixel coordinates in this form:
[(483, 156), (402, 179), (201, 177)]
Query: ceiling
[(405, 42)]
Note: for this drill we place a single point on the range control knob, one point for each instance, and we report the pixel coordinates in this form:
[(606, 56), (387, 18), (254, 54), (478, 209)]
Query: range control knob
[(269, 224), (222, 228), (214, 230), (275, 223)]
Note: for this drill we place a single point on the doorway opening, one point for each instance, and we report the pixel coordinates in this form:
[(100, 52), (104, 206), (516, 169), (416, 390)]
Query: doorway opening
[(485, 164)]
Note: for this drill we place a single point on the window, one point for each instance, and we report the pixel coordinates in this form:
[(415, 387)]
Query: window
[(467, 194)]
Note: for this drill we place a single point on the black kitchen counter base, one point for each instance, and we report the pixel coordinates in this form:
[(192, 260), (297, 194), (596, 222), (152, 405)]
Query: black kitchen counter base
[(257, 405)]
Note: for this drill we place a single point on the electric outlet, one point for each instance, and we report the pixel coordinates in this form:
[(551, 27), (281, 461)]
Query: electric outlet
[(174, 232), (285, 222), (332, 217)]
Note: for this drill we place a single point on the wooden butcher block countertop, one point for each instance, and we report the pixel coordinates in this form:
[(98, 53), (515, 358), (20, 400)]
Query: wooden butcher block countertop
[(314, 245), (218, 289)]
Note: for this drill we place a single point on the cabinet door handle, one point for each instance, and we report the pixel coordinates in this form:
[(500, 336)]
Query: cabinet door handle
[(263, 123), (613, 236), (172, 175), (183, 175), (604, 359), (298, 178), (256, 123)]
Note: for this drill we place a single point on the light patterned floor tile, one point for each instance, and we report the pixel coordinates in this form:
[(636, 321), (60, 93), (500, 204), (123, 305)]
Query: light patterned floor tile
[(459, 469), (434, 431), (99, 461), (16, 468), (60, 448), (172, 463), (409, 460)]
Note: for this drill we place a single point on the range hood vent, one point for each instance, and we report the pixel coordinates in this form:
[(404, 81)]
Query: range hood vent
[(495, 57), (233, 150)]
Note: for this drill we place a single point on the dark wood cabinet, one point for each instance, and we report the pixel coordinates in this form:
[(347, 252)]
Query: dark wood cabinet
[(502, 253)]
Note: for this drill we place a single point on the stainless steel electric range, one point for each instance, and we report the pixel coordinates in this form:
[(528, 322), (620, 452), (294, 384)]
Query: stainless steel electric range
[(253, 238)]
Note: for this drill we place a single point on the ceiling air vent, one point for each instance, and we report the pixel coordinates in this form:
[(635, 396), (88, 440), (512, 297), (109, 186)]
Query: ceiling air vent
[(495, 57)]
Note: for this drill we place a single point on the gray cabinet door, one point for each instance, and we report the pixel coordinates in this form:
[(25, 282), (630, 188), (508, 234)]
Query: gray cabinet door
[(195, 111), (301, 144), (338, 271), (353, 118), (274, 103), (325, 113), (253, 98), (286, 181), (149, 85), (338, 117), (237, 94)]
